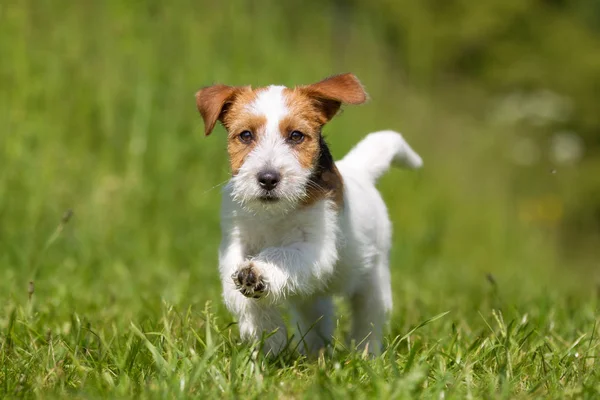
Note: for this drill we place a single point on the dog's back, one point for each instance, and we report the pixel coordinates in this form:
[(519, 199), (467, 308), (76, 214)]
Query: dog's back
[(365, 237)]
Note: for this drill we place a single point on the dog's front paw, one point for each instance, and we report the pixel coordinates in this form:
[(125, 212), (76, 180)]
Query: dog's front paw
[(249, 281)]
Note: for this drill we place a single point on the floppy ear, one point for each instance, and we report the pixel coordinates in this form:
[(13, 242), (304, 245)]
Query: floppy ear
[(334, 91), (212, 102)]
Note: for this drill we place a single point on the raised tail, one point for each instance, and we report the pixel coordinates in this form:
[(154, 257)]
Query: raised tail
[(375, 153)]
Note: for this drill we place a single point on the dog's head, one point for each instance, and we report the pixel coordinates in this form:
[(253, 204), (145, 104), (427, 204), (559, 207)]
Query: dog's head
[(274, 136)]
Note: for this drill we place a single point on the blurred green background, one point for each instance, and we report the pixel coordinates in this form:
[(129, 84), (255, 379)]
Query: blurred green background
[(97, 115)]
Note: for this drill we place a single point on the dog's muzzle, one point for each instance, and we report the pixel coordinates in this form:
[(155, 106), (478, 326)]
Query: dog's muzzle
[(268, 181)]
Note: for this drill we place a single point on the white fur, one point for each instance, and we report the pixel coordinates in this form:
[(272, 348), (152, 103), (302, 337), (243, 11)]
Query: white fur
[(308, 254), (271, 104)]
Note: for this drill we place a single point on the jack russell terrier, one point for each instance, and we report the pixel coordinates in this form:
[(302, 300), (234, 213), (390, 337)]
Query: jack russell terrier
[(298, 227)]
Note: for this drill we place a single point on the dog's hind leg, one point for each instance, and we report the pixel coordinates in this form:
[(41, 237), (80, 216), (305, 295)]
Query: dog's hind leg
[(371, 305), (314, 324)]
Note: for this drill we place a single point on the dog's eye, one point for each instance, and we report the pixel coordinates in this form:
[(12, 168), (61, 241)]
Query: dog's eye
[(246, 136), (296, 136)]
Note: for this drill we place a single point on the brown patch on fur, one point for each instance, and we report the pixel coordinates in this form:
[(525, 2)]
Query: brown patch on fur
[(330, 93), (307, 150), (228, 105), (304, 117), (311, 107), (306, 114), (239, 119), (237, 149), (212, 102)]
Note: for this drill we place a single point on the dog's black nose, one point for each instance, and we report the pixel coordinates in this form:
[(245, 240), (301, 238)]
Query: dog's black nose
[(269, 179)]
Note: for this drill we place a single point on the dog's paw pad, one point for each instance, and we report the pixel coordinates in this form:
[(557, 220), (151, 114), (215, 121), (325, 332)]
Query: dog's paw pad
[(249, 282)]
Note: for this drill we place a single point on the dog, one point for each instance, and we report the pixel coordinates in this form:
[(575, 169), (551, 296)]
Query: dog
[(298, 227)]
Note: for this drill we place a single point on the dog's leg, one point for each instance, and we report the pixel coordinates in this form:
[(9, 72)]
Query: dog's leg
[(256, 319), (314, 323), (298, 269), (278, 272), (370, 308), (242, 286), (261, 321)]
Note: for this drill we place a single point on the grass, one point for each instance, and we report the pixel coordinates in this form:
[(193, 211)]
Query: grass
[(97, 116), (545, 347)]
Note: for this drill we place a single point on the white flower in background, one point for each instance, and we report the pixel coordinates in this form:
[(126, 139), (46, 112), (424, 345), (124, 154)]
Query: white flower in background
[(566, 148), (525, 152), (537, 108)]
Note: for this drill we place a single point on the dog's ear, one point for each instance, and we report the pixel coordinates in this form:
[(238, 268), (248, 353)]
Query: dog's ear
[(334, 91), (212, 102)]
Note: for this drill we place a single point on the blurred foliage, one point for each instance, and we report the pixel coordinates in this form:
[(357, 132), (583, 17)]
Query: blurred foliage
[(502, 48)]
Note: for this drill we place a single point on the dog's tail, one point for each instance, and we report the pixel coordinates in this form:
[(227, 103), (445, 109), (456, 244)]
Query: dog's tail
[(376, 152)]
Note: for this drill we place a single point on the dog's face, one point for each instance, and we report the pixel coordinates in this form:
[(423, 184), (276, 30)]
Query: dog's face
[(274, 136)]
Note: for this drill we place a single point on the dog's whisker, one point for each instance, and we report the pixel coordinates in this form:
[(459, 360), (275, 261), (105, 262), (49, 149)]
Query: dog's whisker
[(214, 187)]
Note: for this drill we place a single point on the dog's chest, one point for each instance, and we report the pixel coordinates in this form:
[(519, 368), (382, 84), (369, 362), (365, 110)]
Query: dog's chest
[(299, 227), (257, 235)]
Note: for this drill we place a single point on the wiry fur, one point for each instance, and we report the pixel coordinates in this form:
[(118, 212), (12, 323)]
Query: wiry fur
[(302, 252)]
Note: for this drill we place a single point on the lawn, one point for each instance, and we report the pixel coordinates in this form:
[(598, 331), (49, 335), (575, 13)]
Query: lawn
[(109, 198)]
